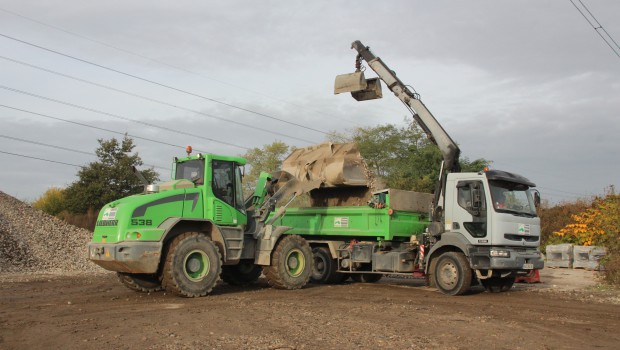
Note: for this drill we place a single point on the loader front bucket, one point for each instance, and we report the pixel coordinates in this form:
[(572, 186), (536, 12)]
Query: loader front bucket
[(334, 165)]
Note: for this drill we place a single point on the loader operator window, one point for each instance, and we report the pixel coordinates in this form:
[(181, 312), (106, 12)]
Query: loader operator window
[(227, 183), (192, 170)]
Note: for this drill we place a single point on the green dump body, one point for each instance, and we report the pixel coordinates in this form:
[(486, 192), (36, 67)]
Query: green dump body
[(381, 220)]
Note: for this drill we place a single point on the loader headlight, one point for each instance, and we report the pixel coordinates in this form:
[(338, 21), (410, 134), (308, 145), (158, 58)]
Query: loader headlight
[(500, 253), (133, 236)]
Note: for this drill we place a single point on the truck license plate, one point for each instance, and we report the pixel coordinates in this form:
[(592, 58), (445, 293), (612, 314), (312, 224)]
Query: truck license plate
[(528, 266)]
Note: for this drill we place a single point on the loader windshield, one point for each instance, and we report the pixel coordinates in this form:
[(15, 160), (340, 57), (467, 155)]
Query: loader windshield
[(510, 197)]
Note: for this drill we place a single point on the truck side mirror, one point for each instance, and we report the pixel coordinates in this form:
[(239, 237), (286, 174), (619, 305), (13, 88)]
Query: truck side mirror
[(536, 198), (476, 200)]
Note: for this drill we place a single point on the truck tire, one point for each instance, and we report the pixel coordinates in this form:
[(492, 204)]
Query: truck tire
[(291, 263), (193, 265), (366, 277), (498, 284), (324, 270), (144, 283), (452, 273), (242, 274)]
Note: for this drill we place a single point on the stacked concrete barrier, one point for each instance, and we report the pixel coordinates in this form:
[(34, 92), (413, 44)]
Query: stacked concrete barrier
[(560, 255), (595, 257), (577, 257), (581, 257)]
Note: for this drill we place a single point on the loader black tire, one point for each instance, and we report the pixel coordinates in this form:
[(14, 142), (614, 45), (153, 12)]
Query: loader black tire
[(452, 273), (145, 283), (193, 265), (498, 284), (325, 268), (366, 277), (291, 263), (242, 274)]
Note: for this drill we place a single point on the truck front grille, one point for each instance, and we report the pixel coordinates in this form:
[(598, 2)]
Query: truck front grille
[(519, 238)]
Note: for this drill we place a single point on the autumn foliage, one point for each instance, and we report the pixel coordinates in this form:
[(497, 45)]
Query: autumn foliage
[(588, 223)]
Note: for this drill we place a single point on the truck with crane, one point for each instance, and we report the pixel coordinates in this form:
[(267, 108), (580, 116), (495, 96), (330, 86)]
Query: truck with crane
[(185, 234), (478, 227)]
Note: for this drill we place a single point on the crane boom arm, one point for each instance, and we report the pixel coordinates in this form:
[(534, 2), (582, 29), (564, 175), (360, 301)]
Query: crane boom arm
[(449, 149)]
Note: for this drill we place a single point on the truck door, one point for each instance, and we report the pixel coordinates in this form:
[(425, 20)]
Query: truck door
[(470, 211)]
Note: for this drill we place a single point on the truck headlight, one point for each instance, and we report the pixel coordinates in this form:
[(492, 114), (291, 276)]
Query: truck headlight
[(500, 253)]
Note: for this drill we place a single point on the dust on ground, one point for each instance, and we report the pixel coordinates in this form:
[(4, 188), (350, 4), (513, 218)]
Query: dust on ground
[(93, 311)]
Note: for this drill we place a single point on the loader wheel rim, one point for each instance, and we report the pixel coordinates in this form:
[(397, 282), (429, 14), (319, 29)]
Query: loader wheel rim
[(295, 263), (196, 265), (448, 275)]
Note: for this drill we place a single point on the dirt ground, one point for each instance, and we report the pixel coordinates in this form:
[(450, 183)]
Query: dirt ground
[(567, 311)]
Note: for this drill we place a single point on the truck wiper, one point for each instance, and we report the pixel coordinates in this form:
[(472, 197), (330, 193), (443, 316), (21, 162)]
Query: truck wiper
[(514, 212)]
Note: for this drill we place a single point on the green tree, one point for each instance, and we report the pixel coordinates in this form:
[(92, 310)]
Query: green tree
[(52, 201), (403, 156), (109, 178), (267, 158)]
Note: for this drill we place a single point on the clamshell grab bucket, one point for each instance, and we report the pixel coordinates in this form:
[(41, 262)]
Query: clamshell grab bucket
[(360, 88), (351, 82)]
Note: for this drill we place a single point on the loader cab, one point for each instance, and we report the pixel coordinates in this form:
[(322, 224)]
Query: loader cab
[(218, 181)]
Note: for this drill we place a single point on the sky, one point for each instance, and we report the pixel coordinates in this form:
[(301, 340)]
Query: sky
[(527, 84)]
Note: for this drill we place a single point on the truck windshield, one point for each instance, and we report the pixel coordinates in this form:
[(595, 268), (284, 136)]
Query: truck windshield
[(510, 197), (193, 170)]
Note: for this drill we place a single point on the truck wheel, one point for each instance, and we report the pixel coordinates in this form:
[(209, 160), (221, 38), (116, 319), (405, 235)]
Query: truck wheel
[(452, 273), (291, 263), (242, 274), (193, 265), (324, 270), (145, 283), (366, 277), (498, 284)]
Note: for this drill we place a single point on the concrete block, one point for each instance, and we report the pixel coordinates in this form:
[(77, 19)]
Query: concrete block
[(581, 257), (560, 255)]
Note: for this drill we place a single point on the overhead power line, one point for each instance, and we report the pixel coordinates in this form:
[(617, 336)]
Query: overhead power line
[(598, 27), (97, 127), (160, 84), (43, 159), (135, 54), (118, 116), (67, 149), (149, 98)]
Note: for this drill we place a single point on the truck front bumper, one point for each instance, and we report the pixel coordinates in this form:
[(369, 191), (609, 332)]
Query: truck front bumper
[(524, 259), (129, 257)]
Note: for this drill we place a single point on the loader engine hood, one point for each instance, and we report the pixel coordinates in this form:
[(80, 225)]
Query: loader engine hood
[(117, 220)]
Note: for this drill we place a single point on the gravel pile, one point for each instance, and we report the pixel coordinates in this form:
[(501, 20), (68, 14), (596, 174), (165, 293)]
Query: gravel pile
[(33, 241)]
